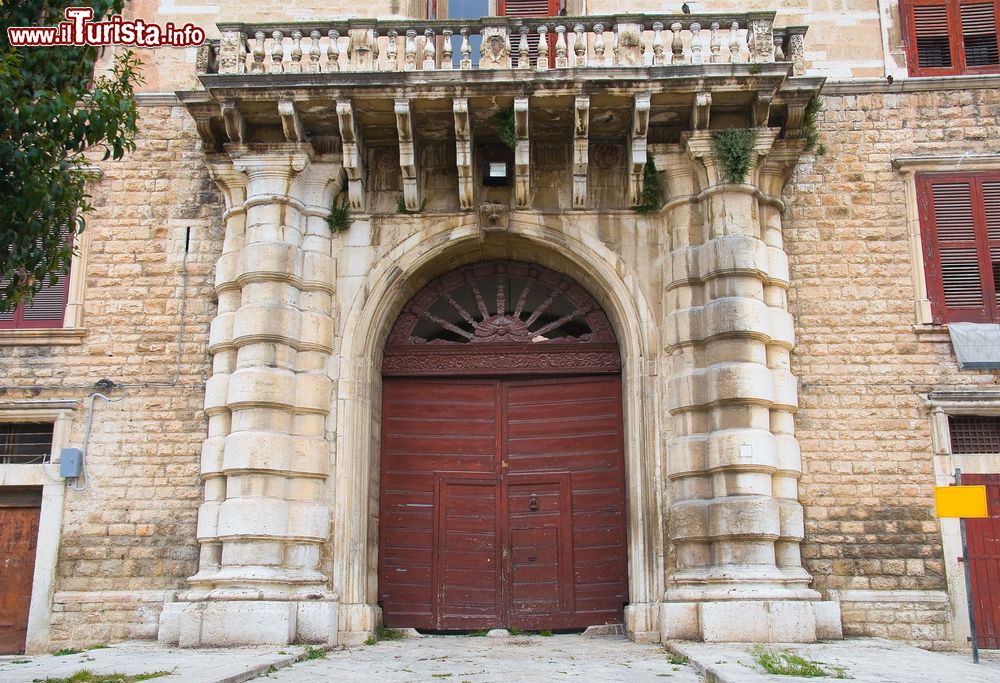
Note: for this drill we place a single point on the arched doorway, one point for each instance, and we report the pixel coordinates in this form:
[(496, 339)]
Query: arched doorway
[(502, 496)]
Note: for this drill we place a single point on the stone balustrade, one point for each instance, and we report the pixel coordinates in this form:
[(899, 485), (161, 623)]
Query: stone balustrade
[(534, 44)]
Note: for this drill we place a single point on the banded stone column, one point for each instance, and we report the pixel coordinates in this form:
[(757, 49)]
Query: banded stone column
[(734, 517), (266, 460)]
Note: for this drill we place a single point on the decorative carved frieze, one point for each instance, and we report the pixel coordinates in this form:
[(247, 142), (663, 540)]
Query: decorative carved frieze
[(496, 48)]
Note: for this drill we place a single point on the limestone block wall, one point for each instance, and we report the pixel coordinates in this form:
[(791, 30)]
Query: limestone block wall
[(865, 434), (131, 535)]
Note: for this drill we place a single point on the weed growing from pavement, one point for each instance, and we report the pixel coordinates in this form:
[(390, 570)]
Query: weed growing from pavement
[(78, 650), (477, 634), (90, 677), (310, 652), (786, 663), (677, 659), (384, 633)]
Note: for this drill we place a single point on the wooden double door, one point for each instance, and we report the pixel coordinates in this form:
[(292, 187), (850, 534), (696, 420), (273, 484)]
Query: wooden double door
[(502, 503)]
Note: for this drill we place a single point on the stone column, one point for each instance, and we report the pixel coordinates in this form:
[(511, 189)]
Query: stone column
[(733, 464), (266, 459)]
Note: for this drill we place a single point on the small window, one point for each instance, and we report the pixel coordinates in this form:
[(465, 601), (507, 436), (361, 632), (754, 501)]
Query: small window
[(25, 443), (951, 37), (46, 309), (974, 433), (960, 229)]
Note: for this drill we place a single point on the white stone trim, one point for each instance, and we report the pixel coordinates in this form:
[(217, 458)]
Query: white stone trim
[(908, 167), (943, 404), (369, 304), (60, 413)]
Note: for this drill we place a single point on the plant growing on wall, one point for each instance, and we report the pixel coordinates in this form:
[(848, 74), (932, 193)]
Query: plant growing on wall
[(733, 149), (339, 219), (649, 200), (809, 131), (506, 128)]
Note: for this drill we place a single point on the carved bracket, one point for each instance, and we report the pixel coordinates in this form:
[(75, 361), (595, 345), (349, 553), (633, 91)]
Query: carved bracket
[(522, 155), (701, 111), (407, 155), (354, 157), (762, 108), (581, 150), (236, 129), (463, 152), (291, 122), (637, 147)]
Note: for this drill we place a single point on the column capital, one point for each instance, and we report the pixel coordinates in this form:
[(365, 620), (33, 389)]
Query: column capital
[(270, 159), (229, 179)]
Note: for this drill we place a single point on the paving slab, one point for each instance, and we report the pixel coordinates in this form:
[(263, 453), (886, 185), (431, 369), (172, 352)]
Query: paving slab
[(860, 660), (454, 659), (205, 665)]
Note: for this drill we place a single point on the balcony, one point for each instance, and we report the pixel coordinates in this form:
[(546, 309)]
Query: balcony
[(435, 89)]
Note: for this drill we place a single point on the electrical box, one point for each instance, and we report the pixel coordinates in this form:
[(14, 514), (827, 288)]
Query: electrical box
[(70, 463)]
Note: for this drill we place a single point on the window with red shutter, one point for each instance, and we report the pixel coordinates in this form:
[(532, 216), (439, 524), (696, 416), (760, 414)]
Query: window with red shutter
[(951, 37), (960, 229), (46, 308), (531, 8)]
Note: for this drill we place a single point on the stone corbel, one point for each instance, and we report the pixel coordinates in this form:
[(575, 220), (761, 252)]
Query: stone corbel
[(522, 155), (463, 152), (494, 217), (291, 122), (796, 113), (407, 155), (581, 150), (236, 128), (354, 155), (207, 119), (762, 108), (637, 147), (701, 111)]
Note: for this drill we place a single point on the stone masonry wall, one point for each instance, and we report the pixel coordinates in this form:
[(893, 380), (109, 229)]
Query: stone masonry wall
[(131, 534), (868, 480)]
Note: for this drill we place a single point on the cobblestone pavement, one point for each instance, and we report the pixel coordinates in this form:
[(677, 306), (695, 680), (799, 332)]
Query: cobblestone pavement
[(455, 659)]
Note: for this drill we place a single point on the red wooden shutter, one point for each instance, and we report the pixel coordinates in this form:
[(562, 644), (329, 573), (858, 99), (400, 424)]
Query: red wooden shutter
[(930, 30), (960, 225), (530, 8), (979, 34), (46, 309)]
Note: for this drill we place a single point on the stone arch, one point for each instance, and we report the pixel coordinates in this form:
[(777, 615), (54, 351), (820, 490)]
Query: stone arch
[(369, 317)]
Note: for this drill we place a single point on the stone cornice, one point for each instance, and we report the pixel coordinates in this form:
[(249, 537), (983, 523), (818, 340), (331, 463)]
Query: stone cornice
[(950, 162), (868, 86)]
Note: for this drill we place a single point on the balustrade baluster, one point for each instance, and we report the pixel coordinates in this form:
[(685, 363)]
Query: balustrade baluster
[(430, 62), (333, 51), (715, 45), (696, 56), (410, 50), (241, 64), (562, 60), (466, 49), (277, 52), (258, 53), (734, 44), (779, 52), (392, 50), (296, 66), (446, 49), (543, 49), (615, 45), (677, 44), (523, 50), (599, 44), (314, 36), (658, 58), (579, 46)]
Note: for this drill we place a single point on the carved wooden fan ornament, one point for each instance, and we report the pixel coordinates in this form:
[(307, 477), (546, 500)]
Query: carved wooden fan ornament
[(501, 318)]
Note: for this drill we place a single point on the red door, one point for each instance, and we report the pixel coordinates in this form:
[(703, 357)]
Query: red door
[(984, 562), (502, 503), (18, 539)]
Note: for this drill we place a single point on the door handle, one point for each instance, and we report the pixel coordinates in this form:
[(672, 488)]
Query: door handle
[(533, 502)]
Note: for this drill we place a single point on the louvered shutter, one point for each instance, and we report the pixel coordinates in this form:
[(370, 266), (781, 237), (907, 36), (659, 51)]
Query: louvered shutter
[(960, 224), (46, 309), (530, 8), (930, 33), (979, 33)]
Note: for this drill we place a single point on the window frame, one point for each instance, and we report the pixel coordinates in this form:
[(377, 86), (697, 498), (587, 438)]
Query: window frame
[(955, 39), (932, 244)]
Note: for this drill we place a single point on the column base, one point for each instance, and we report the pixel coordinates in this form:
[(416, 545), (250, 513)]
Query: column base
[(358, 621), (642, 622), (229, 623), (751, 621)]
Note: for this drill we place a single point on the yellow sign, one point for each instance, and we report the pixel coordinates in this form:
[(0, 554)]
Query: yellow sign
[(960, 501)]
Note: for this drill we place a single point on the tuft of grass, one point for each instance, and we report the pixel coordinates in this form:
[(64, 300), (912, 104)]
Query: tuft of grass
[(810, 132), (733, 148), (477, 634), (515, 631), (85, 676), (545, 632), (370, 640), (310, 652), (339, 219), (787, 663), (677, 659), (385, 633), (440, 675), (507, 128)]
